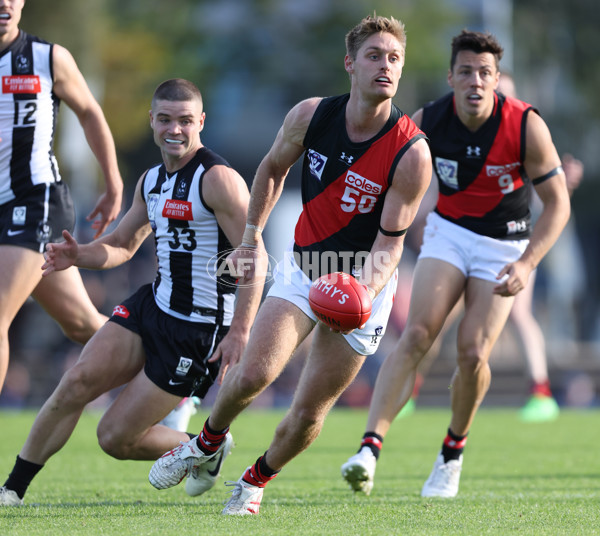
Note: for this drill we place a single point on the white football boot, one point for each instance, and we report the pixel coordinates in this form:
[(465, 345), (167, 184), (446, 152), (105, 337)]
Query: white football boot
[(444, 478), (204, 477), (245, 498), (359, 471)]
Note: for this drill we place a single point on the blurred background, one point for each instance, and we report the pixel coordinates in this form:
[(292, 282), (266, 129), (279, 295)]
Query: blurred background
[(253, 60)]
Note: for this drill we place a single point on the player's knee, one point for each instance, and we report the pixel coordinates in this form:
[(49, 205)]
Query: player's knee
[(75, 386), (418, 339), (112, 442), (252, 381), (471, 358), (82, 329)]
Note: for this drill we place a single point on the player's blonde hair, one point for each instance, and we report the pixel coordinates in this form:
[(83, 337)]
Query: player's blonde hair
[(356, 37)]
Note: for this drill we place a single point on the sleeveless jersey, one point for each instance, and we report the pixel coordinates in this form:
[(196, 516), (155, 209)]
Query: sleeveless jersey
[(28, 112), (187, 239), (482, 182), (344, 186)]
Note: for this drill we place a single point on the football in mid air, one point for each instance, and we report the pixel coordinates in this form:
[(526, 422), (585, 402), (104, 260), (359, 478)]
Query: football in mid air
[(340, 301)]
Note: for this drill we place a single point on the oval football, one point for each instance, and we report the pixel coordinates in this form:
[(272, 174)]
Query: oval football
[(340, 301)]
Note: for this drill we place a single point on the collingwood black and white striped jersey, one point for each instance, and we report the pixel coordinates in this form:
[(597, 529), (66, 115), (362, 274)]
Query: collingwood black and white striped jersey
[(28, 113), (187, 238)]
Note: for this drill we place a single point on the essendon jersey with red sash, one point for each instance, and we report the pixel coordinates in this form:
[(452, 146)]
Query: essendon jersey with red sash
[(482, 182), (344, 186), (28, 110)]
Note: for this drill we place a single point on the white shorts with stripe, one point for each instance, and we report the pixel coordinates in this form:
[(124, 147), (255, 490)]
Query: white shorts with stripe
[(292, 284), (473, 254)]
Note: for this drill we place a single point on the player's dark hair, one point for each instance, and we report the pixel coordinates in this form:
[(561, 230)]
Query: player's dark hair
[(372, 25), (177, 89), (477, 42)]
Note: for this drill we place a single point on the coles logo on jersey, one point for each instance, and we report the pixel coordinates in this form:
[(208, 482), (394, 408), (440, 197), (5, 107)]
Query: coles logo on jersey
[(497, 171), (447, 172), (178, 210), (316, 163), (360, 183), (120, 310), (26, 83)]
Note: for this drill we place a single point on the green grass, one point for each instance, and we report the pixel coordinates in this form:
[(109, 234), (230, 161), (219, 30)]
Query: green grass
[(517, 479)]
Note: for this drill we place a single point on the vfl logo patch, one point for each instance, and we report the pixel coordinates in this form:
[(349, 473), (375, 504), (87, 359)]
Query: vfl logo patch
[(120, 310), (27, 83), (151, 208), (185, 364), (447, 172), (178, 210), (18, 216), (316, 163)]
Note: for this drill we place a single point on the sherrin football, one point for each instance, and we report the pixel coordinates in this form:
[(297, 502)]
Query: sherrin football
[(340, 301)]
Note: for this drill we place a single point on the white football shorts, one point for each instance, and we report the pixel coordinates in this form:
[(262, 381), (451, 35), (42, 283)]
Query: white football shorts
[(473, 254), (292, 284)]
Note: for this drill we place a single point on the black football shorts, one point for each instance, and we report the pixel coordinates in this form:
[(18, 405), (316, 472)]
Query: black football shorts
[(37, 217), (177, 351)]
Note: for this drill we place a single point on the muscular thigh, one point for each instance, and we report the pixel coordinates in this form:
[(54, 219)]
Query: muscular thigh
[(21, 272), (485, 314), (437, 287), (65, 298), (112, 357), (330, 367), (279, 328)]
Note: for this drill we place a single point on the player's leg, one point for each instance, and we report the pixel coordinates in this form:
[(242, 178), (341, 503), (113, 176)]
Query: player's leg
[(20, 269), (112, 357), (278, 330), (430, 304), (484, 318), (64, 297), (129, 430), (540, 406), (330, 367)]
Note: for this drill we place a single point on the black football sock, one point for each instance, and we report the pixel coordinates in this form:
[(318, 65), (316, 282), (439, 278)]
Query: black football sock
[(453, 446), (372, 441), (260, 474), (210, 440), (21, 476)]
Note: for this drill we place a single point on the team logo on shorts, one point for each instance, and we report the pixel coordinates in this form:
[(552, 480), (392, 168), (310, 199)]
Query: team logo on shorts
[(316, 163), (18, 216), (120, 310), (375, 338), (185, 364)]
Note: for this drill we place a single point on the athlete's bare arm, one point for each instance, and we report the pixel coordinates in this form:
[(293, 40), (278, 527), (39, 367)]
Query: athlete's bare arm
[(108, 251), (71, 87)]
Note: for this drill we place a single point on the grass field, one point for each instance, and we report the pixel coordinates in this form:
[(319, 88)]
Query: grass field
[(517, 479)]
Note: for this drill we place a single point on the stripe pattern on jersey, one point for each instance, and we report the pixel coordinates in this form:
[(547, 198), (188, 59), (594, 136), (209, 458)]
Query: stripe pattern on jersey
[(28, 114), (344, 186), (481, 178), (187, 237)]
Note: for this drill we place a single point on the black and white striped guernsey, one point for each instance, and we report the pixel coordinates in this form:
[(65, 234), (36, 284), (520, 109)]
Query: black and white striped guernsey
[(28, 113), (187, 238)]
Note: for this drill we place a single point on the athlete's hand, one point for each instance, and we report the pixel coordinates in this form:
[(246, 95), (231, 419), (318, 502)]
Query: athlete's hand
[(515, 275), (60, 256), (229, 351), (108, 207)]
